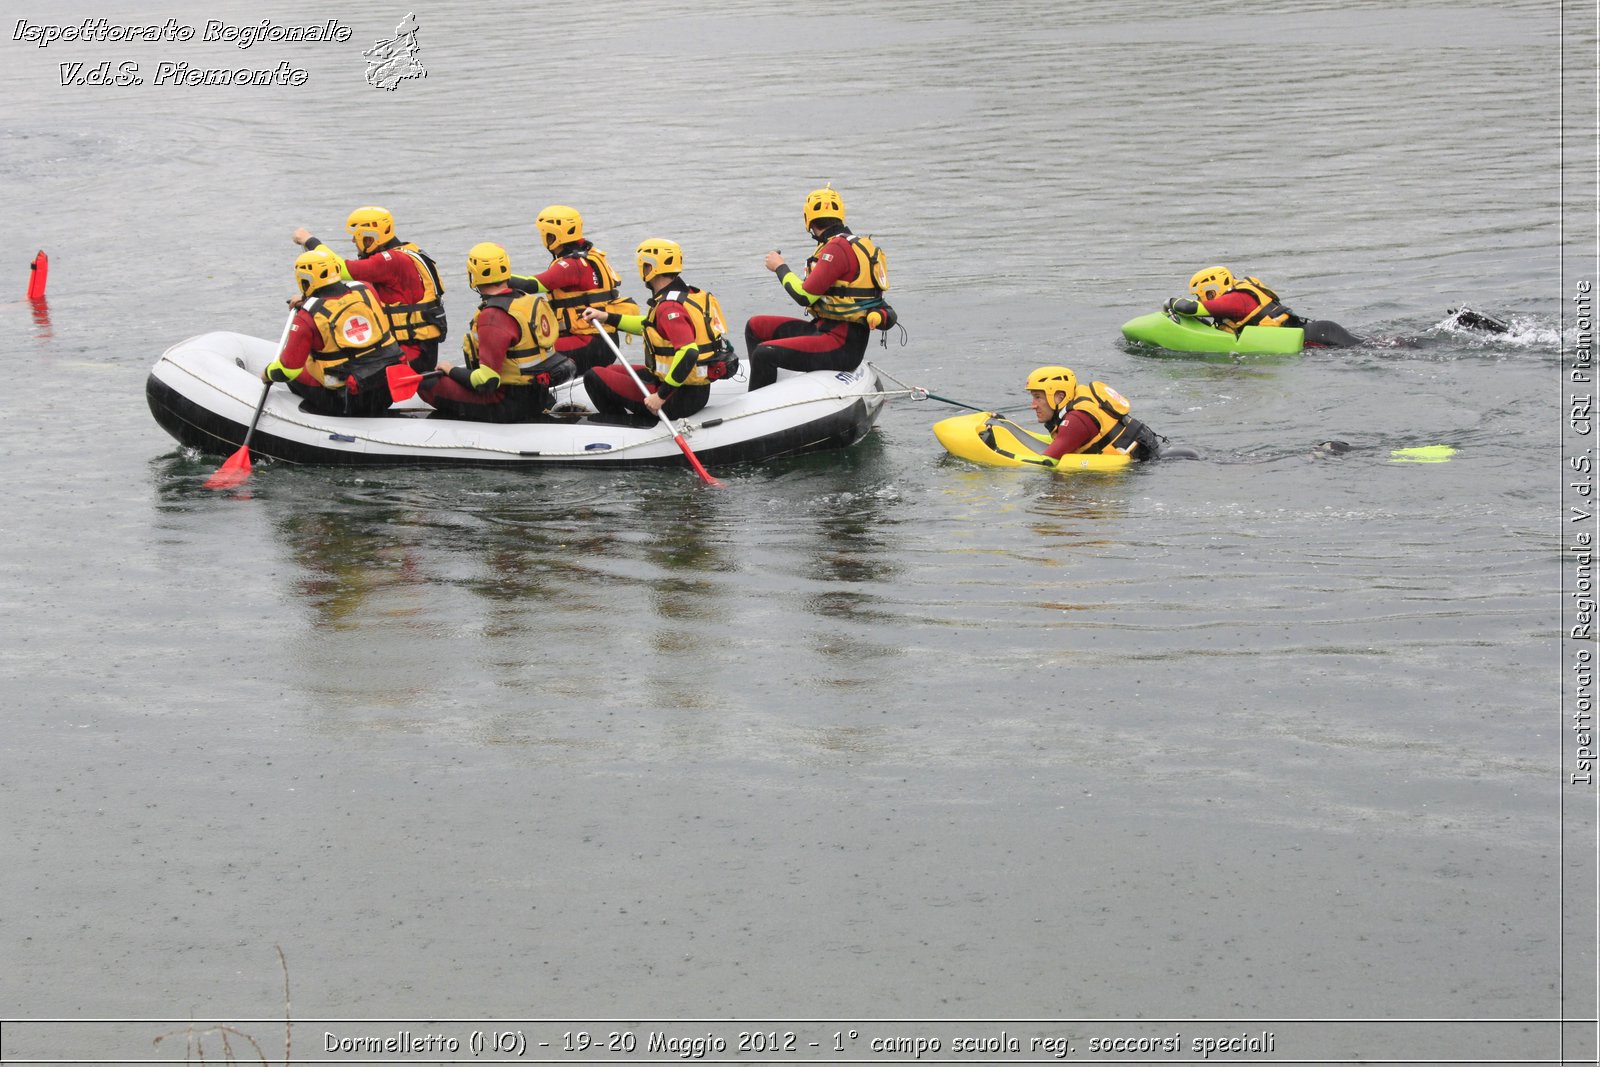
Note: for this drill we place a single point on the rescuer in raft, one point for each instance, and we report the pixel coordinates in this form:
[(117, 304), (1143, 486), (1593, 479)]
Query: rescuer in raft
[(684, 343), (1087, 418), (846, 277), (1234, 303), (509, 351), (339, 343), (404, 277), (579, 276)]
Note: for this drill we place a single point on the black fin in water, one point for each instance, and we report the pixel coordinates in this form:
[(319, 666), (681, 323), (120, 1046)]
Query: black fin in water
[(1468, 319)]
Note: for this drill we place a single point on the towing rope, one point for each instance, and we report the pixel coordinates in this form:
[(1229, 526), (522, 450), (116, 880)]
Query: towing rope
[(917, 392)]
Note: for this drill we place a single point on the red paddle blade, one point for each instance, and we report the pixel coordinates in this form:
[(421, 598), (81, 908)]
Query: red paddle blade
[(38, 272), (403, 381), (232, 473), (694, 461)]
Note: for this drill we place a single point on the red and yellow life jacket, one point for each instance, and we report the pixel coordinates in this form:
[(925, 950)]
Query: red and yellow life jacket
[(423, 320), (533, 350), (705, 316), (853, 301), (1268, 312), (603, 294), (351, 327), (1120, 433)]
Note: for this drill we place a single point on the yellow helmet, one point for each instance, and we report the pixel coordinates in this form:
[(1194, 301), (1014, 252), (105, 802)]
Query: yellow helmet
[(370, 227), (657, 255), (1050, 380), (315, 269), (823, 204), (1211, 283), (487, 264), (560, 225)]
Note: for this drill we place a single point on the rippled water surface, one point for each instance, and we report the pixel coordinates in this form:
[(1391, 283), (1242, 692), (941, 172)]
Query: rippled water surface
[(1271, 735)]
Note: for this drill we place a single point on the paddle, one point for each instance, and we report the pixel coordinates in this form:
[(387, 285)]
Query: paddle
[(38, 272), (676, 436), (403, 381), (236, 468)]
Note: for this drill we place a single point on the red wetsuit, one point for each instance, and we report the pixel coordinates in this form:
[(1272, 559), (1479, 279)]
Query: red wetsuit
[(299, 347), (570, 272), (612, 391), (1233, 305), (392, 273), (394, 278), (1075, 431), (497, 331), (454, 395), (774, 341)]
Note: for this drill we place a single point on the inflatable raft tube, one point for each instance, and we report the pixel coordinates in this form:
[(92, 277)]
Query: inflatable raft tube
[(204, 390), (995, 441), (1191, 335)]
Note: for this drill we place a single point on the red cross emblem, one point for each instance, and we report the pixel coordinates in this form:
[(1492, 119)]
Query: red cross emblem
[(356, 329)]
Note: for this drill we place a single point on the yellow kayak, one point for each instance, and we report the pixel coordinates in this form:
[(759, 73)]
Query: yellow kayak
[(996, 441)]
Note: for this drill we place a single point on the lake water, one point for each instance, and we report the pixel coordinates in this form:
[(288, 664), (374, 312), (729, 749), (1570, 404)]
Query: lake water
[(875, 742)]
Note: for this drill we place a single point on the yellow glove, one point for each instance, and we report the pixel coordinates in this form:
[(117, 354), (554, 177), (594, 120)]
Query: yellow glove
[(277, 372)]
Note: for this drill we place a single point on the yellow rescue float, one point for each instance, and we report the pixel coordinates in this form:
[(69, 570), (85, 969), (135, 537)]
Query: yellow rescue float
[(996, 441)]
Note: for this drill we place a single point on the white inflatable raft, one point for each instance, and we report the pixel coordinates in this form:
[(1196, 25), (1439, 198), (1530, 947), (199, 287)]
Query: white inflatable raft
[(204, 390)]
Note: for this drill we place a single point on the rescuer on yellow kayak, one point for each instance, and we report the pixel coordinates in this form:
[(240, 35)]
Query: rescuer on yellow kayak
[(1087, 418)]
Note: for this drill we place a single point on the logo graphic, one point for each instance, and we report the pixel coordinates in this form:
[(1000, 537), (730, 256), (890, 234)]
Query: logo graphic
[(393, 61), (356, 329)]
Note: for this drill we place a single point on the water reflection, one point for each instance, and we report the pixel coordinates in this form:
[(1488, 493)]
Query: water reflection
[(349, 559), (682, 541), (41, 319), (1075, 509), (848, 534), (425, 588), (685, 535), (1065, 509)]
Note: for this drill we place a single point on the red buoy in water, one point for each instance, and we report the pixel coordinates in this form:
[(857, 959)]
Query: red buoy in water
[(38, 272)]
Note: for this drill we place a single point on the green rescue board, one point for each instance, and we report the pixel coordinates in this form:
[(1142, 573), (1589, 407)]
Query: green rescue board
[(1191, 335), (996, 441)]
